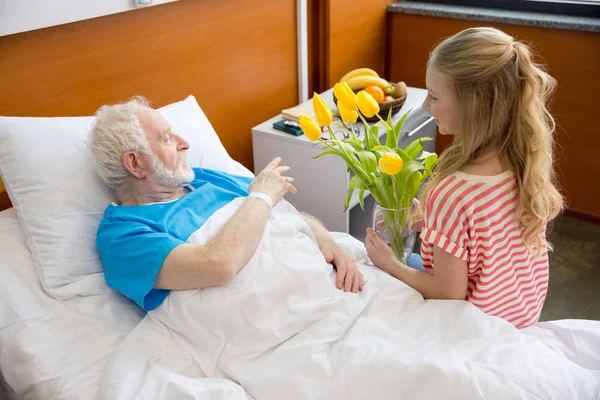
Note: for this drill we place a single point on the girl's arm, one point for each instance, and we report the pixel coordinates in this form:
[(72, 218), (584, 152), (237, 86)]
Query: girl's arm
[(448, 282)]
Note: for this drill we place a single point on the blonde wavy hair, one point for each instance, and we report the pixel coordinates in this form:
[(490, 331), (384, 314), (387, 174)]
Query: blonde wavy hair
[(503, 96)]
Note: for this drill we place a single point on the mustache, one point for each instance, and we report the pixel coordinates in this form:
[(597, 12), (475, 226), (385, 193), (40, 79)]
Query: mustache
[(181, 157)]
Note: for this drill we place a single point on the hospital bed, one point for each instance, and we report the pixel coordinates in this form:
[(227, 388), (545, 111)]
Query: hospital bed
[(62, 329)]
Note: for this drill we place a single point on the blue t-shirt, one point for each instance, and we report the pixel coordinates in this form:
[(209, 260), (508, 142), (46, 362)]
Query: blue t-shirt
[(133, 241)]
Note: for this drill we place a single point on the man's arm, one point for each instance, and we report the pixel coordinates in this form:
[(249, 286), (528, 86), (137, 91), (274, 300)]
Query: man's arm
[(215, 263), (191, 266), (349, 278), (321, 233)]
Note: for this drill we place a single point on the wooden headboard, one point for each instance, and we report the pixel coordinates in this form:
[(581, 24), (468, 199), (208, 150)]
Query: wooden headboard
[(238, 57)]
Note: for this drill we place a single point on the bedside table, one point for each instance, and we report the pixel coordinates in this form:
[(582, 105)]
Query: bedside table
[(322, 182)]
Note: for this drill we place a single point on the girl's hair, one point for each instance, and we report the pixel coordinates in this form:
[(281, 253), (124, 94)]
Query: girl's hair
[(502, 98)]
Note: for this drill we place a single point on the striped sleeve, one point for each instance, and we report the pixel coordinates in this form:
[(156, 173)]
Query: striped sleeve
[(444, 223), (440, 240)]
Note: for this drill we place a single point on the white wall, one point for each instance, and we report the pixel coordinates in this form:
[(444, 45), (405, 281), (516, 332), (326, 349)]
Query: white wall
[(26, 15)]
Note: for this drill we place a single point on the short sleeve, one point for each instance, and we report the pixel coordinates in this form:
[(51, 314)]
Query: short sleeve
[(443, 221), (439, 239), (133, 254)]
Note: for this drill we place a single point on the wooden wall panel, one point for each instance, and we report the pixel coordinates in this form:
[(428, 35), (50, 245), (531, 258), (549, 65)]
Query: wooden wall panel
[(356, 37), (238, 57), (573, 58)]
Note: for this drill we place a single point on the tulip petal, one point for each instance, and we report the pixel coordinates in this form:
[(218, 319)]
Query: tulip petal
[(310, 128), (322, 111), (367, 104), (347, 115), (344, 94), (390, 163)]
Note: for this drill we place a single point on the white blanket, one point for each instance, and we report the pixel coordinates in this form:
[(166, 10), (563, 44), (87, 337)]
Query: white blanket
[(282, 330)]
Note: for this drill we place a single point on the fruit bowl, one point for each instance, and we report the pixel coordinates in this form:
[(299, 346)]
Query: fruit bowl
[(384, 108)]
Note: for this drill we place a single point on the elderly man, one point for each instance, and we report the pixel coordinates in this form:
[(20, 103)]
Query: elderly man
[(160, 201)]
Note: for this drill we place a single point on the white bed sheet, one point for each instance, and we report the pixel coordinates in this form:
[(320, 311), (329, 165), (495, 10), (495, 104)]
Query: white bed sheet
[(52, 349), (60, 349)]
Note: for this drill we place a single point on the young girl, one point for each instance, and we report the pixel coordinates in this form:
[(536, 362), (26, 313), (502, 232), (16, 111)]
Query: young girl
[(493, 192)]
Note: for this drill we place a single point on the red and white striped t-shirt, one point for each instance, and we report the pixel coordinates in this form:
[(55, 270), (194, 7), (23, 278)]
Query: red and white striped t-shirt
[(474, 219)]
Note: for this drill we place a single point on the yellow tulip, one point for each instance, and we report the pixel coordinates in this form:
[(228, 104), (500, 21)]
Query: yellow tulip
[(322, 111), (345, 95), (347, 114), (310, 128), (367, 104), (390, 163)]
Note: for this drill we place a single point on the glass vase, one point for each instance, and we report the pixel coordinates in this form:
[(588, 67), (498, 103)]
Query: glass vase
[(395, 227)]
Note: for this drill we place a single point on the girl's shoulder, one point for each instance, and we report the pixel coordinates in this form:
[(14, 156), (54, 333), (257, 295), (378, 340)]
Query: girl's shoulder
[(471, 177), (460, 181), (457, 191)]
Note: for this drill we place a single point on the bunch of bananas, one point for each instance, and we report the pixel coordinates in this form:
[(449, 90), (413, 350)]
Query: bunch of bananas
[(361, 78)]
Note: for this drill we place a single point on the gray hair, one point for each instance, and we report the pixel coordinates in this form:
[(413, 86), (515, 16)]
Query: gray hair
[(116, 131)]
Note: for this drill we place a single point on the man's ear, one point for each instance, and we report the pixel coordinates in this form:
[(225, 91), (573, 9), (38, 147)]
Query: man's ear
[(135, 164)]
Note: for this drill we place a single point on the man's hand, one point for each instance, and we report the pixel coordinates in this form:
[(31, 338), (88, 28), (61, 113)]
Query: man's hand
[(272, 181), (380, 253), (349, 278)]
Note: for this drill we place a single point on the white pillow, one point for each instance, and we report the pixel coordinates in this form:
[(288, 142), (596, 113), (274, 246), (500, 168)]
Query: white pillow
[(60, 199)]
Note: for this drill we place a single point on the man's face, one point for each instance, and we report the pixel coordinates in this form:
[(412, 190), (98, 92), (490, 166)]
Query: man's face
[(168, 165)]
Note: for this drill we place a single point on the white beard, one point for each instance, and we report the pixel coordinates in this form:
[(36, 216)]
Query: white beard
[(163, 176)]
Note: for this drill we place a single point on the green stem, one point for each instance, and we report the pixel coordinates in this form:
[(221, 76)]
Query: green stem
[(352, 134), (366, 124), (395, 221), (344, 128), (350, 159)]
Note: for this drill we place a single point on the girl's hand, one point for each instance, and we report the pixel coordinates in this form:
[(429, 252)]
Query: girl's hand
[(380, 253)]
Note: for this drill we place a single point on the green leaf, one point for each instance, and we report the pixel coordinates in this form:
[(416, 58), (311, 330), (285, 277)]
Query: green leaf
[(355, 142), (361, 200), (424, 155), (390, 140), (380, 151), (368, 161), (374, 136), (412, 187), (383, 192), (414, 148), (357, 183), (400, 124), (389, 117), (386, 149), (402, 179), (349, 148), (366, 140), (403, 155), (323, 153), (430, 160), (394, 136), (348, 198), (357, 146)]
